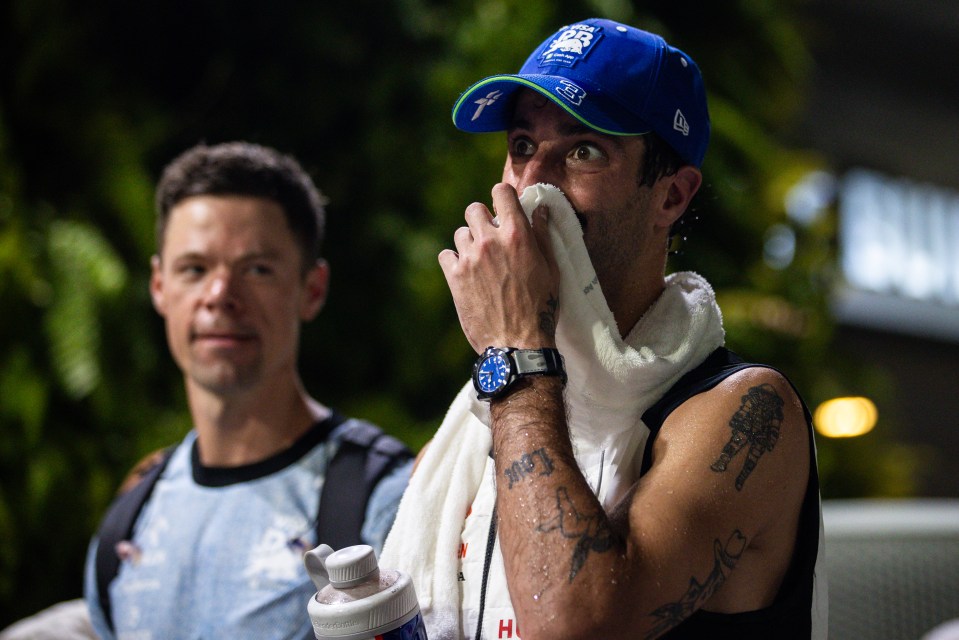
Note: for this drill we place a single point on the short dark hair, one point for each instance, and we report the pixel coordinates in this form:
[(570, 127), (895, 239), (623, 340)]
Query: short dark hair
[(246, 169), (659, 160)]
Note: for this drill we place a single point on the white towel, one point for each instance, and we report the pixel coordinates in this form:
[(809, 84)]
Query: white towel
[(612, 381)]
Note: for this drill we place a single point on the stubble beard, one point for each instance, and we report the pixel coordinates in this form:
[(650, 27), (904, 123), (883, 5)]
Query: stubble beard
[(225, 378), (613, 249)]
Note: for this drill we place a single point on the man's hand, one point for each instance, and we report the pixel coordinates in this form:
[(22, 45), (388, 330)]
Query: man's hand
[(503, 275)]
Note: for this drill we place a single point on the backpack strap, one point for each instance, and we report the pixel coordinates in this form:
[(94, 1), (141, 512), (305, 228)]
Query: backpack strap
[(118, 522), (364, 456)]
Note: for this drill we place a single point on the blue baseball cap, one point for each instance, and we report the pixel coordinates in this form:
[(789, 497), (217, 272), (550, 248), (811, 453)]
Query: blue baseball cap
[(613, 78)]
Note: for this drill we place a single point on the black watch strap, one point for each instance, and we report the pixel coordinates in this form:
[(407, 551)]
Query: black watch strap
[(547, 362)]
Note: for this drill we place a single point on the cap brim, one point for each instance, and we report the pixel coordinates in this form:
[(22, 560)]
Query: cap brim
[(487, 105)]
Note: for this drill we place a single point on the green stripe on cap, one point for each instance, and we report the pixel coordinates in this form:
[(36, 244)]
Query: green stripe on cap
[(535, 87)]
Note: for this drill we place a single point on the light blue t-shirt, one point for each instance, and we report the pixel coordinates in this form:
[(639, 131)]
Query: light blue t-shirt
[(218, 553)]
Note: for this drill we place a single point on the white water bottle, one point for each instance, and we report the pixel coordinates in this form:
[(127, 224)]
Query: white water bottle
[(356, 600)]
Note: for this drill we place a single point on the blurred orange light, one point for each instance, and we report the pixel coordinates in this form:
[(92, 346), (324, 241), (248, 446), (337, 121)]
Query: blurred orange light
[(845, 417)]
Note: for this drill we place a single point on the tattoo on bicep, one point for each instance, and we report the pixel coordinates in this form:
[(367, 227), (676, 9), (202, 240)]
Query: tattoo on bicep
[(547, 319), (724, 560), (757, 424), (533, 463), (590, 531)]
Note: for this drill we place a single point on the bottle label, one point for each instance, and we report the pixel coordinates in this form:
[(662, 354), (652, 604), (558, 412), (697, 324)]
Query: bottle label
[(414, 629)]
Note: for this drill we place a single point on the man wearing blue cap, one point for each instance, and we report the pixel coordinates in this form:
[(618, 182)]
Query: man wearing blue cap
[(611, 471)]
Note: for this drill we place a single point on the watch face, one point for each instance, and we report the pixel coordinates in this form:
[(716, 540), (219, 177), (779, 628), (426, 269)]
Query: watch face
[(493, 373)]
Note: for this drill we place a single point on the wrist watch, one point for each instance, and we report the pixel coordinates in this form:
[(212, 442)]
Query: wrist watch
[(498, 368)]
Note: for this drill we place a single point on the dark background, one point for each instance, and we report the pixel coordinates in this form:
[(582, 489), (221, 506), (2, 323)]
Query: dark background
[(95, 98)]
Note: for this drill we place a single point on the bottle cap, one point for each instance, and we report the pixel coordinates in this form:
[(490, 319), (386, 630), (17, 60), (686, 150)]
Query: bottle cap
[(389, 603), (351, 565)]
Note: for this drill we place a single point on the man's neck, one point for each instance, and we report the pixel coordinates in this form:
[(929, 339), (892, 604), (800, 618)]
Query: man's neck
[(245, 428), (636, 286), (633, 297)]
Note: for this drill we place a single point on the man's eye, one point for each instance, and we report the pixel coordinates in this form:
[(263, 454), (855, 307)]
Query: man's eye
[(191, 270), (522, 147), (261, 269), (586, 153)]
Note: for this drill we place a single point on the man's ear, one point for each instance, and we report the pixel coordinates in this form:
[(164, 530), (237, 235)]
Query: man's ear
[(316, 286), (156, 284), (681, 187)]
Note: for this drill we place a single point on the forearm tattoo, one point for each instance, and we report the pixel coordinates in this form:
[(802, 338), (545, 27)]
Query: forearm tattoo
[(724, 560), (547, 319), (533, 463), (757, 424), (591, 532)]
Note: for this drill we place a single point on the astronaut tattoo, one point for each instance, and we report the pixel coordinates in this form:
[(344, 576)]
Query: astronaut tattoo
[(756, 427)]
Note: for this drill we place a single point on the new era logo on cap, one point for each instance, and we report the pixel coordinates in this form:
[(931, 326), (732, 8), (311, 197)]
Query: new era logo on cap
[(680, 124)]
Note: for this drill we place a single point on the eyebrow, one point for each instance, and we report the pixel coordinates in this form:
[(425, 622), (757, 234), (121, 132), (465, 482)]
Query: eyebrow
[(569, 129), (267, 254)]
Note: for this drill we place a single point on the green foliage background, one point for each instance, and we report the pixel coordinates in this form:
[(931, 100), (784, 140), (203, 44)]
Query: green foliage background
[(96, 97)]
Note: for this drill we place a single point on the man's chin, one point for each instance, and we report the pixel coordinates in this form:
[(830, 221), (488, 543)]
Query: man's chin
[(223, 379)]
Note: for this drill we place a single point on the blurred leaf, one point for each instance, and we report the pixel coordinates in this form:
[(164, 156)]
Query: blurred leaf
[(24, 395), (85, 270)]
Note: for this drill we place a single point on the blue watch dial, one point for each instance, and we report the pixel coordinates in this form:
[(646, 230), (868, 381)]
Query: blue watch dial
[(493, 373)]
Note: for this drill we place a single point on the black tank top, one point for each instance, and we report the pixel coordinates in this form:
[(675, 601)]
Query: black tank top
[(790, 616)]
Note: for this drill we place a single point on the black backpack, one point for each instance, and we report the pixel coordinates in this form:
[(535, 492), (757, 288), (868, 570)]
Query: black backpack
[(364, 456)]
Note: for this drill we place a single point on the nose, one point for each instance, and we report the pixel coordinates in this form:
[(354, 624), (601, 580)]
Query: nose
[(221, 290), (540, 167)]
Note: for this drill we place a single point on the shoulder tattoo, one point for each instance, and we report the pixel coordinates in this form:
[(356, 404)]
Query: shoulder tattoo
[(755, 427)]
